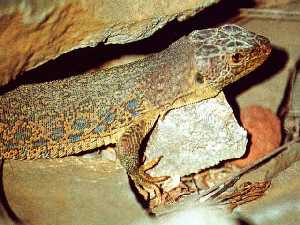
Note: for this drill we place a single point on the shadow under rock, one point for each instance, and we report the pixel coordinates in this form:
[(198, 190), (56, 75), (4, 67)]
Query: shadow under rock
[(243, 222)]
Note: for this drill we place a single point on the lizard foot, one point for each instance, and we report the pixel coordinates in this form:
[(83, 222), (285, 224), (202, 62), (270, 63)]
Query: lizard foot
[(147, 184)]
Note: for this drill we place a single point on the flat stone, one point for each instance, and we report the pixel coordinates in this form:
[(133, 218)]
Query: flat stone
[(69, 191), (34, 32), (195, 137)]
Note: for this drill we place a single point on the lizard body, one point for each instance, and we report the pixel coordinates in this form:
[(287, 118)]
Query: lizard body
[(121, 104)]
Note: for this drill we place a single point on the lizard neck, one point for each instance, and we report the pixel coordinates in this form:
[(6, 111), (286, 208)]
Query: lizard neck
[(195, 95)]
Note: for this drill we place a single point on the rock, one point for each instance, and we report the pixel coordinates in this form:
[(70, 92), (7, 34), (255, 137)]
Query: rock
[(264, 128), (34, 32), (196, 214), (280, 205), (69, 191), (195, 137)]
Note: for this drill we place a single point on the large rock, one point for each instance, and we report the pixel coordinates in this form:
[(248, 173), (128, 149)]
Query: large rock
[(264, 129), (33, 32), (195, 137), (69, 191)]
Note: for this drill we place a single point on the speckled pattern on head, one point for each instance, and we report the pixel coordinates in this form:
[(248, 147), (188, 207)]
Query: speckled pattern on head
[(225, 54), (120, 105)]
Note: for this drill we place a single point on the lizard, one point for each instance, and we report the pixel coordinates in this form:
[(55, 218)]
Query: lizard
[(120, 105)]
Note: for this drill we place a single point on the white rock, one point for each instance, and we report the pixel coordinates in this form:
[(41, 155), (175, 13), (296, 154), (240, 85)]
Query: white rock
[(191, 215), (195, 137)]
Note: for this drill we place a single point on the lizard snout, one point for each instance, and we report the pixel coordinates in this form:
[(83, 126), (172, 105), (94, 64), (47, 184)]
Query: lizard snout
[(264, 44)]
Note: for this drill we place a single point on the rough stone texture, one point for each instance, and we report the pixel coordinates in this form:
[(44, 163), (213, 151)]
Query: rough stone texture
[(195, 137), (33, 32), (69, 191), (265, 133), (280, 205)]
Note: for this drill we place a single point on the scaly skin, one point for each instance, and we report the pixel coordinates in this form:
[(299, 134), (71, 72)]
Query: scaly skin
[(120, 105)]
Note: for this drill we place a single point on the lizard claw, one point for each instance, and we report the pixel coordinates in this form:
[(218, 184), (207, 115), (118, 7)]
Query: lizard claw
[(147, 184)]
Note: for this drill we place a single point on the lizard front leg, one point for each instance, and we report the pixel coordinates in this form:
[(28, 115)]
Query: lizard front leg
[(128, 152)]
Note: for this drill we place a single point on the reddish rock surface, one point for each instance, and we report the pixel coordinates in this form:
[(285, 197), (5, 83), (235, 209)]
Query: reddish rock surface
[(264, 131), (34, 32)]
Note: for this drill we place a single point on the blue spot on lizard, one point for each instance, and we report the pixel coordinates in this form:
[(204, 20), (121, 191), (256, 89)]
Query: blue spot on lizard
[(109, 118), (57, 133), (99, 128), (79, 124), (10, 145), (135, 113), (39, 143), (23, 134), (74, 138), (132, 104)]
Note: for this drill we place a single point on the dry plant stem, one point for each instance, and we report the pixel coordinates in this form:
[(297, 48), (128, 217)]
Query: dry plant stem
[(270, 14), (216, 190)]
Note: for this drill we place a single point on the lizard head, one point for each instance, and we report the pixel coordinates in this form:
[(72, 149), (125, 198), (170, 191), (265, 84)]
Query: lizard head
[(225, 54)]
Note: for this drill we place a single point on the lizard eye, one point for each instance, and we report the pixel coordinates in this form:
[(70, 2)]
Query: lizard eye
[(199, 78), (237, 57)]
